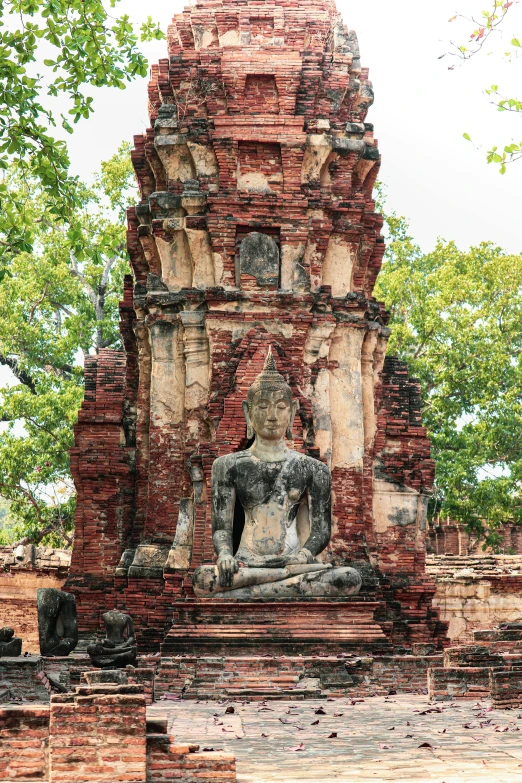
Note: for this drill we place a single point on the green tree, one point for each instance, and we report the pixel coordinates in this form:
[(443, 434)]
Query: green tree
[(485, 27), (52, 48), (456, 319), (58, 303)]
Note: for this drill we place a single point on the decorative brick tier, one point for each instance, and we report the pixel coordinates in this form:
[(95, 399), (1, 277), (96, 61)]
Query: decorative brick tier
[(306, 627), (293, 678)]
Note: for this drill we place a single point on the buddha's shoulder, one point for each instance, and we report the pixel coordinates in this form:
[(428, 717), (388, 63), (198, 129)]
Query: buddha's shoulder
[(310, 464), (296, 458), (227, 460)]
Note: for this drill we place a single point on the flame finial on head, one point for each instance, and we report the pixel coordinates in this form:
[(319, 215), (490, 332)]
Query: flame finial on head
[(270, 364)]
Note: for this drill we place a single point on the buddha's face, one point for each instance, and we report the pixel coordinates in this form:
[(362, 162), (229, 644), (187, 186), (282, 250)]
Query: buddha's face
[(270, 414)]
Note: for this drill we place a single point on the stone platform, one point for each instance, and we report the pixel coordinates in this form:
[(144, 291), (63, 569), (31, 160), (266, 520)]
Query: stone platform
[(399, 738), (291, 628)]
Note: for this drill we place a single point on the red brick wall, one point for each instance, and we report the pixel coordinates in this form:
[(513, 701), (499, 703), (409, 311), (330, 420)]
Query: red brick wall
[(506, 688), (261, 95), (18, 600), (458, 683), (24, 743), (168, 761), (98, 734), (259, 163)]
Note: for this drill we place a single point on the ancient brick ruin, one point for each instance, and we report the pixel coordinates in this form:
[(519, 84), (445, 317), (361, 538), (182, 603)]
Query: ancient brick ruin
[(256, 227)]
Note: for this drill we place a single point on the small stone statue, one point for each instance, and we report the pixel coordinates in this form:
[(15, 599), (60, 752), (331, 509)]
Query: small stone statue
[(57, 621), (118, 649), (271, 482), (10, 645)]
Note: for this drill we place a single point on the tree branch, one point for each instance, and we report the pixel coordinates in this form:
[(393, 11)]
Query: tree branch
[(21, 375), (75, 271), (38, 303), (108, 266), (35, 538)]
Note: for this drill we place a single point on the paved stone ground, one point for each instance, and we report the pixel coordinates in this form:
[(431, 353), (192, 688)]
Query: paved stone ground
[(378, 739)]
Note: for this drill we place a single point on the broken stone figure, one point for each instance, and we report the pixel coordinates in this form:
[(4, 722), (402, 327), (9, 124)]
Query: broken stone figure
[(10, 645), (57, 621), (272, 483), (118, 649)]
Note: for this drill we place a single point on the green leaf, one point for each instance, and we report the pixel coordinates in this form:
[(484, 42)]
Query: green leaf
[(467, 136)]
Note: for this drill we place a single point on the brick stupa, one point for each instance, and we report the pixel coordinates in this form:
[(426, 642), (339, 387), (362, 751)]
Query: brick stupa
[(256, 227)]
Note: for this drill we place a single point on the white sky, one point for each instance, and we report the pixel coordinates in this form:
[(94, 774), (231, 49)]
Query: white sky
[(433, 176)]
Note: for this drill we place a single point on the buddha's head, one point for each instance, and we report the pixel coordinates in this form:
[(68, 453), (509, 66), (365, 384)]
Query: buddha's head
[(269, 408)]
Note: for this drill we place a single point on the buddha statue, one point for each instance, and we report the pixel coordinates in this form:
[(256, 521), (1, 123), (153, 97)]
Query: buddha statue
[(57, 621), (272, 482), (10, 645), (118, 649)]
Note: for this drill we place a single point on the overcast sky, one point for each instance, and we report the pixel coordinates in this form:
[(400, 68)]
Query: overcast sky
[(439, 181)]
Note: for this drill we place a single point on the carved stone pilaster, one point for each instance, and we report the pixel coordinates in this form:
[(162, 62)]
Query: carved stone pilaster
[(197, 358)]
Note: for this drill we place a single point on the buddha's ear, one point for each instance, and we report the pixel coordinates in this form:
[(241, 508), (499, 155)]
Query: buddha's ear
[(250, 430), (293, 410)]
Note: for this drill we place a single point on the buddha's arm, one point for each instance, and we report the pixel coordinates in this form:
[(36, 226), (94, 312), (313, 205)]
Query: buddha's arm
[(223, 504), (319, 509)]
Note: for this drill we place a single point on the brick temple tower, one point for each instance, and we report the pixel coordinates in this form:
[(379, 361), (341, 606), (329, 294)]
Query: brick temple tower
[(256, 227)]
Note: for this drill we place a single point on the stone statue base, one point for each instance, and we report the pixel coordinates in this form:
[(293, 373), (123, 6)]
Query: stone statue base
[(313, 580), (303, 626)]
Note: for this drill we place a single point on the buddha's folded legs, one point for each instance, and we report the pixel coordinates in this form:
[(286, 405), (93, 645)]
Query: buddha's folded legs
[(106, 657), (291, 582)]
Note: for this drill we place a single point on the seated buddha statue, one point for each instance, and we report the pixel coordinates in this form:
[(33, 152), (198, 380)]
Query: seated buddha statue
[(118, 649), (271, 482)]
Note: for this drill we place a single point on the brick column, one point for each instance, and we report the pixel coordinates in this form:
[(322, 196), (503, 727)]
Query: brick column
[(97, 734)]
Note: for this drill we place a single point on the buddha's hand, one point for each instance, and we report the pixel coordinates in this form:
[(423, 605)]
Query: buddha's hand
[(227, 567), (303, 556)]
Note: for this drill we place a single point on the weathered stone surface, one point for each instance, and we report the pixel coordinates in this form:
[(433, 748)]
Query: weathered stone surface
[(259, 257), (10, 645), (57, 621), (476, 592), (118, 649), (388, 738), (22, 679)]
